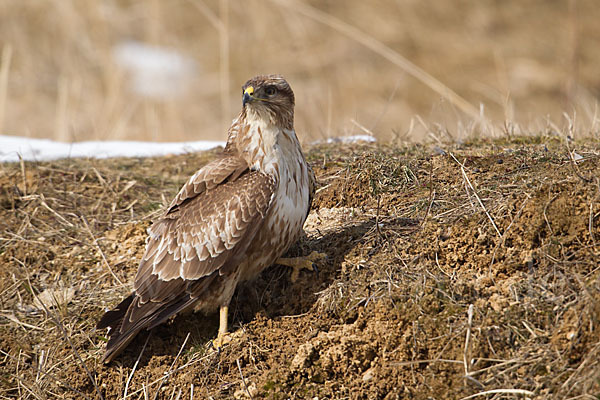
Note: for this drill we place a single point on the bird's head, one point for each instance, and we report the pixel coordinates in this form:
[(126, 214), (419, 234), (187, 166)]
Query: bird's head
[(269, 97)]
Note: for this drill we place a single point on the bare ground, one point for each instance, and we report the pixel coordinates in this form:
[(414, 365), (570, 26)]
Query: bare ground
[(416, 237)]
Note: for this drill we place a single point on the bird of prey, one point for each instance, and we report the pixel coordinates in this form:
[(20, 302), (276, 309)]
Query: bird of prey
[(233, 218)]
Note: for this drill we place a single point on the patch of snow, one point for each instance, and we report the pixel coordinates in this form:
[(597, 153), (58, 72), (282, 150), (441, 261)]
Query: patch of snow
[(348, 139), (156, 72), (43, 149)]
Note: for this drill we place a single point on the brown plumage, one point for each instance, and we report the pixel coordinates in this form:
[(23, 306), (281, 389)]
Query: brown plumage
[(232, 219)]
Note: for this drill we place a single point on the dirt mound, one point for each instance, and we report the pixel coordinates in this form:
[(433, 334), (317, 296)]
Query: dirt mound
[(449, 273)]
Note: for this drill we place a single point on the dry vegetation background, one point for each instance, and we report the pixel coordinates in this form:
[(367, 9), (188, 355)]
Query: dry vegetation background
[(469, 273), (525, 62), (465, 269)]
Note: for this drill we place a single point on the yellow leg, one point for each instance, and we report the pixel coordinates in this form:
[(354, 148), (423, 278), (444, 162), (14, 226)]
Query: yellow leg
[(223, 337), (299, 263)]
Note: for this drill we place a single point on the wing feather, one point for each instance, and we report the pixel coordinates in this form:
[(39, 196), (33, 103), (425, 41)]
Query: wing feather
[(206, 230), (210, 176), (208, 226), (202, 232)]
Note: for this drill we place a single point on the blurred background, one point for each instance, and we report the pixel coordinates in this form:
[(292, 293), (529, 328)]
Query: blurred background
[(74, 70)]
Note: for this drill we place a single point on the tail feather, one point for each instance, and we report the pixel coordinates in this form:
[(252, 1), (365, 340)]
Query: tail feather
[(128, 318), (134, 314), (114, 318), (118, 342)]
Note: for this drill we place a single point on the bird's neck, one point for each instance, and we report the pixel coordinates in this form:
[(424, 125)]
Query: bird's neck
[(264, 145)]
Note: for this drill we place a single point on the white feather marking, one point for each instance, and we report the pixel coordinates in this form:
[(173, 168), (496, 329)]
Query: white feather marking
[(181, 269)]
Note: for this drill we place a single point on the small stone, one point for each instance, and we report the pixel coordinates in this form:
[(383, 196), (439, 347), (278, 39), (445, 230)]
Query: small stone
[(302, 359), (242, 393), (368, 375)]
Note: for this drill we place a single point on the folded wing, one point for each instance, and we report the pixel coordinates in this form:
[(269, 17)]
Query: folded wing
[(206, 229)]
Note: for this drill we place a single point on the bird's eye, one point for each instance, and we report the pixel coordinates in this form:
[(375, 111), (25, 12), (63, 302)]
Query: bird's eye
[(270, 90)]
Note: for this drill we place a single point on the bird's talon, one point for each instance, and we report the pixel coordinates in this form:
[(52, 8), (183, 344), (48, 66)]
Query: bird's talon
[(220, 342), (300, 263)]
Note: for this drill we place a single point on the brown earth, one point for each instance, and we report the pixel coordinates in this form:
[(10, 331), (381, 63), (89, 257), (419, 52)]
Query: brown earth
[(415, 238)]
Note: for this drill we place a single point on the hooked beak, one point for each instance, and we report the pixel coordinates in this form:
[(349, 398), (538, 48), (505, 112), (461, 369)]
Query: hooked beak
[(247, 95)]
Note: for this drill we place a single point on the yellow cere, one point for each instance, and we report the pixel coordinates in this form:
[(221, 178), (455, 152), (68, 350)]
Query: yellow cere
[(249, 90)]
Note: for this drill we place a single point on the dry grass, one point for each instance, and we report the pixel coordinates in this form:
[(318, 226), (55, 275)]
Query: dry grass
[(509, 269), (419, 290), (62, 213), (468, 66)]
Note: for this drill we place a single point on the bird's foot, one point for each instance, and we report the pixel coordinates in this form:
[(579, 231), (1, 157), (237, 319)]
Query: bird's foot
[(222, 339), (224, 336), (300, 263)]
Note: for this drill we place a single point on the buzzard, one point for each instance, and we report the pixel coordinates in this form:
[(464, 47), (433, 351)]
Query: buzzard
[(233, 218)]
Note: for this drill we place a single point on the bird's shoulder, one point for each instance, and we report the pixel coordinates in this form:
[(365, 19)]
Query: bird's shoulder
[(219, 208), (228, 167)]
